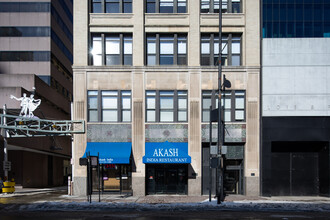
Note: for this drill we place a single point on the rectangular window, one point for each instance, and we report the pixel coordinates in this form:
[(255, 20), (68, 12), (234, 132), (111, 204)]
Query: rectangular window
[(166, 106), (126, 106), (166, 49), (111, 6), (228, 6), (96, 6), (151, 106), (166, 6), (92, 97), (232, 102), (111, 49), (231, 50), (109, 106)]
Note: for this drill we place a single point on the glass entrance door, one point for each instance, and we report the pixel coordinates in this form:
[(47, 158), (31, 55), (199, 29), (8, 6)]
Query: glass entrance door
[(167, 179)]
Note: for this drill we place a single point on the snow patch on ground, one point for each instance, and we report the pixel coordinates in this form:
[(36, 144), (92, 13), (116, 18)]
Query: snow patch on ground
[(255, 205)]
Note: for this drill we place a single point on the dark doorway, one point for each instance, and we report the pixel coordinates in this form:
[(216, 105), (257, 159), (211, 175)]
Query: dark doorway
[(50, 171), (296, 168), (233, 177), (167, 179), (233, 173)]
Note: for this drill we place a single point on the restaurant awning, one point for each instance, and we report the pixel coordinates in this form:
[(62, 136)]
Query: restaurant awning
[(110, 152)]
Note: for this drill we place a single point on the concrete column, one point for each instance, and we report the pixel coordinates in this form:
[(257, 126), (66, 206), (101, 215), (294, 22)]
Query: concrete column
[(194, 35), (251, 59), (138, 35), (195, 149), (79, 177), (138, 143), (80, 32)]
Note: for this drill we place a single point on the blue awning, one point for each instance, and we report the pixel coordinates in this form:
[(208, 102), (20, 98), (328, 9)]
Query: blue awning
[(110, 152), (166, 152)]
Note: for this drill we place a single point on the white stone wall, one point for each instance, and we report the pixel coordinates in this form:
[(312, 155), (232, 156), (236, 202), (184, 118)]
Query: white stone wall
[(296, 77)]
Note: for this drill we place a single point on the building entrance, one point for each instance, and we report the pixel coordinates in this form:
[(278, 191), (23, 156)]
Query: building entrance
[(113, 178), (167, 179), (299, 168)]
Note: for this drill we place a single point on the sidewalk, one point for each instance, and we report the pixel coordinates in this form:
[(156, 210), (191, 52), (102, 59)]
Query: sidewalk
[(59, 194)]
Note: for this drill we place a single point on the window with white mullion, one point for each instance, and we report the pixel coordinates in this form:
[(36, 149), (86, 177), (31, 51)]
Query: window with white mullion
[(125, 106)]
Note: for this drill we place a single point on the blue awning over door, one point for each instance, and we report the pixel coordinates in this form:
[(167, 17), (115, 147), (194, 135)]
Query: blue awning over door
[(110, 152), (166, 152)]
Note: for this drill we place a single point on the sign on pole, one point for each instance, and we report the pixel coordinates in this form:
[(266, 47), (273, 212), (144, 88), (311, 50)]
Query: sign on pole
[(6, 165)]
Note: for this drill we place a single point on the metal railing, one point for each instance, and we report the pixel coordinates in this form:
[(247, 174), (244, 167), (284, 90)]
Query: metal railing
[(18, 126)]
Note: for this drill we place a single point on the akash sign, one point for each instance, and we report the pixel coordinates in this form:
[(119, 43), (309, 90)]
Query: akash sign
[(166, 152)]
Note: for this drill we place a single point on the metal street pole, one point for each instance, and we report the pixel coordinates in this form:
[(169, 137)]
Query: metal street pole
[(220, 191), (5, 150), (210, 157)]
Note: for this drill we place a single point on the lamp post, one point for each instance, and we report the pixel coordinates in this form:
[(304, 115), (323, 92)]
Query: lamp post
[(220, 125)]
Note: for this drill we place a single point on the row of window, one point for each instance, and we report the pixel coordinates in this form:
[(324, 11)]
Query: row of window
[(161, 105), (25, 56), (165, 6), (62, 24), (24, 6), (164, 49), (309, 18), (62, 47), (24, 31)]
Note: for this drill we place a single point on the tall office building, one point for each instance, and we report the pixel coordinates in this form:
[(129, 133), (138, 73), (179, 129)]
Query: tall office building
[(36, 43), (295, 98), (145, 76)]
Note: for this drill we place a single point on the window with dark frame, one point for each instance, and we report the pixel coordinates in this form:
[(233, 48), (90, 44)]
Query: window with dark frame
[(166, 6), (92, 106), (228, 6), (109, 106), (166, 106), (111, 49), (233, 102), (231, 49), (166, 49), (111, 6)]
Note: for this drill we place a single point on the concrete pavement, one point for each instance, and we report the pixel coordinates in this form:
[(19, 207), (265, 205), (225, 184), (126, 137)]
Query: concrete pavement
[(59, 194)]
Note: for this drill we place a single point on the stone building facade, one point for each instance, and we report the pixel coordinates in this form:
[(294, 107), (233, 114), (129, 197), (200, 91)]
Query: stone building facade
[(145, 74)]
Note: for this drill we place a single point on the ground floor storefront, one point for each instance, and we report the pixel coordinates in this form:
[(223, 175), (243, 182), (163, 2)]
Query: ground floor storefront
[(166, 179), (296, 156)]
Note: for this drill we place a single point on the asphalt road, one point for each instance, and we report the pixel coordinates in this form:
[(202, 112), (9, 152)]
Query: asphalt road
[(150, 215)]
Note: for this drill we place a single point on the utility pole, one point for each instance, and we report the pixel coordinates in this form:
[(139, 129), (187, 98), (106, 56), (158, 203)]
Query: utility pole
[(220, 133)]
